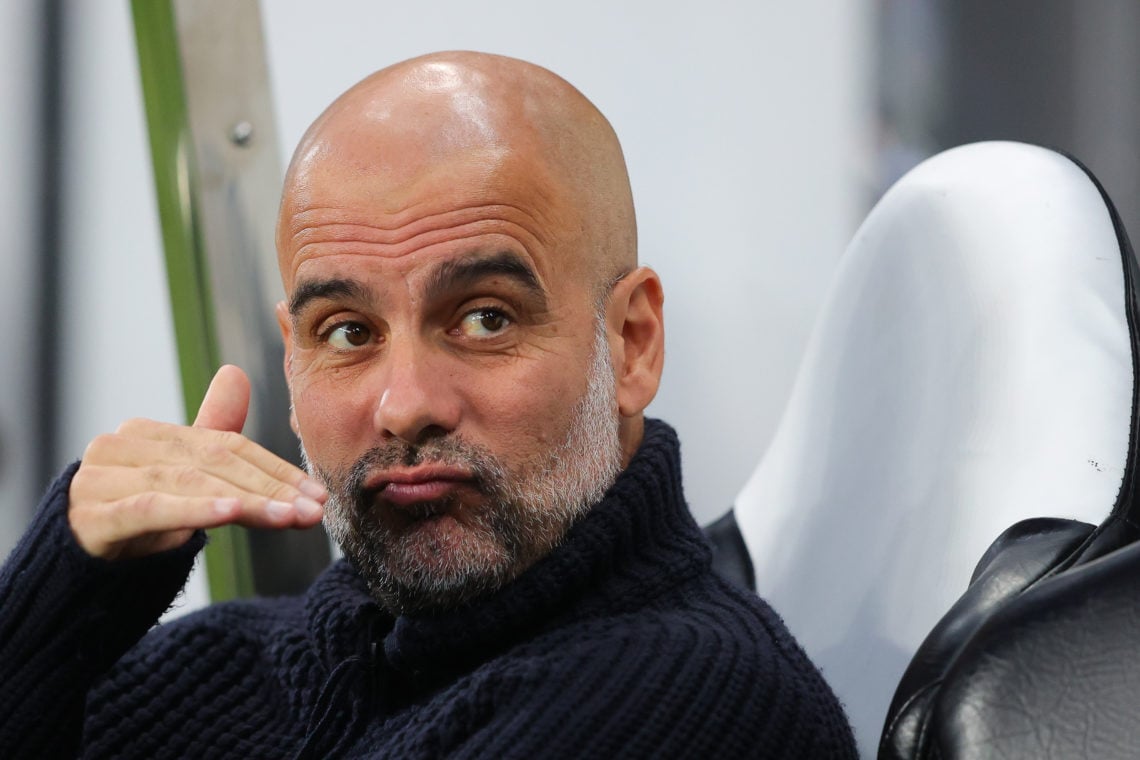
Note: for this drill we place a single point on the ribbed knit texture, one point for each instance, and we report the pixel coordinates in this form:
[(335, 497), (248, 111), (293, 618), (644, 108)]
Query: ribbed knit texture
[(620, 643)]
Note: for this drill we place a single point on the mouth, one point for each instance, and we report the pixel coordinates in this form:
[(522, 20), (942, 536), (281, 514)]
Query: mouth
[(417, 488)]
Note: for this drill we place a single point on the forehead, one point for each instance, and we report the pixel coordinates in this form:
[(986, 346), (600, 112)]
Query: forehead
[(413, 208)]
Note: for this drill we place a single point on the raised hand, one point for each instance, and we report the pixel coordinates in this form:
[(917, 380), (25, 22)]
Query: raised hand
[(149, 485)]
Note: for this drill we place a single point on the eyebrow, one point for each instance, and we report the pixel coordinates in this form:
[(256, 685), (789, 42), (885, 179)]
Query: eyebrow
[(459, 273), (449, 276), (312, 290)]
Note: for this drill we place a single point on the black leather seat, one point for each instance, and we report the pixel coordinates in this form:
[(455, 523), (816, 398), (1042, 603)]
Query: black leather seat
[(730, 554), (972, 367), (1040, 657)]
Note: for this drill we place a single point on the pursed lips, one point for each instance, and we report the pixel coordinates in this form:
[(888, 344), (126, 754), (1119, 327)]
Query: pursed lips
[(406, 487)]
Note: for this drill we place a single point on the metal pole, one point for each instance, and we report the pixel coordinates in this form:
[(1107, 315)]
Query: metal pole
[(227, 554)]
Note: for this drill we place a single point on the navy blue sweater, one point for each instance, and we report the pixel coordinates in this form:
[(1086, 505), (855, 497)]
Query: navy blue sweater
[(620, 643)]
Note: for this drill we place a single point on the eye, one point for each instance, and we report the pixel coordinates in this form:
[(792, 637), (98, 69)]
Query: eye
[(483, 323), (348, 335)]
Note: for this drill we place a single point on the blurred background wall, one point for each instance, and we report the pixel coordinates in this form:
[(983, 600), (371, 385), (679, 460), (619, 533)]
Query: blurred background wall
[(20, 254)]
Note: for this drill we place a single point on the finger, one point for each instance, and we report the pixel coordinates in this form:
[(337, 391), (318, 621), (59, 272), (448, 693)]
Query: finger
[(141, 442), (208, 451), (227, 401), (99, 483), (133, 525)]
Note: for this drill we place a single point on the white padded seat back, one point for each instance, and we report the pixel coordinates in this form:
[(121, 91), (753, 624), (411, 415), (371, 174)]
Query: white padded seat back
[(971, 367)]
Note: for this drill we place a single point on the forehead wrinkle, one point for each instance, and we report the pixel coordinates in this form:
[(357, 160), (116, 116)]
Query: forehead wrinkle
[(354, 245), (335, 224)]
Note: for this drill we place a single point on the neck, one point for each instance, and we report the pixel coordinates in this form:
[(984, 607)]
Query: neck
[(631, 431)]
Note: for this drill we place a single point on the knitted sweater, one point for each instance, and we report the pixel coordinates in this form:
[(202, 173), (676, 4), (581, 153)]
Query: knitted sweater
[(619, 643)]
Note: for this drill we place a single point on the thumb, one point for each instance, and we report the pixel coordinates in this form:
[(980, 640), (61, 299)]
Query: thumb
[(226, 402)]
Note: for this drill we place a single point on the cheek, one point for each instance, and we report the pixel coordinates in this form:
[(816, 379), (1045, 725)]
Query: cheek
[(529, 411), (332, 417)]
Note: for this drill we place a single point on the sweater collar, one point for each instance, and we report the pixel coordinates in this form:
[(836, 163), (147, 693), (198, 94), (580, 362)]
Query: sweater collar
[(638, 541)]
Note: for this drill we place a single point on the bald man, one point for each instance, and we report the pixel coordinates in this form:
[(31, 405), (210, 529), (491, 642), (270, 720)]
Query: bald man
[(469, 345)]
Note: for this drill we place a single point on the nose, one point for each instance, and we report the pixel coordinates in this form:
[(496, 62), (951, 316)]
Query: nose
[(417, 401)]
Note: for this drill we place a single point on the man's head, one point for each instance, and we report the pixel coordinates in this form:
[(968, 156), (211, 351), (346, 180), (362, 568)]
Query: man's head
[(469, 341)]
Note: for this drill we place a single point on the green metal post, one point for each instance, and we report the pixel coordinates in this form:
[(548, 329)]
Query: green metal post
[(227, 555)]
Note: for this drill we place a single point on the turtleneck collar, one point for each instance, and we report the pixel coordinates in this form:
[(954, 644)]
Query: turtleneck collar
[(638, 541)]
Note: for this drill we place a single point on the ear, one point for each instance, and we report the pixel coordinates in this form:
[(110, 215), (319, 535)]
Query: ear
[(286, 325), (636, 321)]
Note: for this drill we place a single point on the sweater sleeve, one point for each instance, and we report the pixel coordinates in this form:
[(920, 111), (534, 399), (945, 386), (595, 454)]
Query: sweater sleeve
[(65, 618)]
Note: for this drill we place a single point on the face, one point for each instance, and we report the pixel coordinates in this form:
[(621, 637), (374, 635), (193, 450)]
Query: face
[(449, 372), (418, 557)]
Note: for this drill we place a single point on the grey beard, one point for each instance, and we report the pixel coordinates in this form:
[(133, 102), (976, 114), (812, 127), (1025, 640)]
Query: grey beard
[(521, 518)]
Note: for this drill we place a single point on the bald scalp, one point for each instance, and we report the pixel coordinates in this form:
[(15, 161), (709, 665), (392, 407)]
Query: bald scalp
[(421, 116)]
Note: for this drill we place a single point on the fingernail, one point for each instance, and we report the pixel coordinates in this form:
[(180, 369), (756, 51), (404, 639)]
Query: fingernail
[(278, 509), (227, 507), (306, 506), (313, 489)]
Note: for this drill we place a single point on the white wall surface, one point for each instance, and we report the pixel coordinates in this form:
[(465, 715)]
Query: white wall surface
[(119, 359)]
